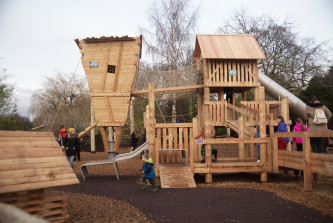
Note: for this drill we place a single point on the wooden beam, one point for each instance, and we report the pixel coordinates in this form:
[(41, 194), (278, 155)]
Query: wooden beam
[(87, 130), (116, 78), (109, 94), (104, 138), (119, 133), (108, 107), (168, 90)]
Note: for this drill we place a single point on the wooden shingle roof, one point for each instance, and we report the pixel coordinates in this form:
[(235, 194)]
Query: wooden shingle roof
[(227, 46), (32, 160)]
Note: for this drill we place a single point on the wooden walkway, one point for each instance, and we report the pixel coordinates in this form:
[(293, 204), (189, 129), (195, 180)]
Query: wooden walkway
[(176, 176)]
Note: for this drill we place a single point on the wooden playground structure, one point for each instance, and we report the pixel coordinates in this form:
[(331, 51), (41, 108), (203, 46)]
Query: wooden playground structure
[(227, 63)]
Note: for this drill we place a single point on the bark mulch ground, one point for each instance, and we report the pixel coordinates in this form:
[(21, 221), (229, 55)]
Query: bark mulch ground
[(231, 198)]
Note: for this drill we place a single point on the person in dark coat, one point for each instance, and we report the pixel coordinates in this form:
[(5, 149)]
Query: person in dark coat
[(317, 143), (72, 146), (134, 140)]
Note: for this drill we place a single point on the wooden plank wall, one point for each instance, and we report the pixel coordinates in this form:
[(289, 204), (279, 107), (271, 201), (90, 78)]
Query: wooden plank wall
[(32, 160), (247, 72), (110, 92)]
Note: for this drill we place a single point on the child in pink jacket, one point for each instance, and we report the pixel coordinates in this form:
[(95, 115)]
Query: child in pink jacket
[(298, 128)]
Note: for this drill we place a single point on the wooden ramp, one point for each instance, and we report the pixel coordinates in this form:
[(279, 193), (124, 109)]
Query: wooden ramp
[(176, 176)]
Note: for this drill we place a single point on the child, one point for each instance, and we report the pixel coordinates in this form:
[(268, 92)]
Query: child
[(257, 135), (298, 128), (149, 173), (203, 148)]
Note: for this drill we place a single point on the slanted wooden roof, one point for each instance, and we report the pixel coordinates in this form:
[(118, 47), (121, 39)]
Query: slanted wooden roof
[(32, 160), (227, 46)]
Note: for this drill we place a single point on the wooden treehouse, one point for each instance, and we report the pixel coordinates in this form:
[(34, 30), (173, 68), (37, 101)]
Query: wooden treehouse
[(30, 162), (228, 63), (111, 66)]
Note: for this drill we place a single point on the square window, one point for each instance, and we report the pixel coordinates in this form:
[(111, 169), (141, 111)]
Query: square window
[(111, 69)]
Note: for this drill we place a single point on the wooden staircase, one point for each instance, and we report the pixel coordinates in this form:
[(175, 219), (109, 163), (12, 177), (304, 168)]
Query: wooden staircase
[(176, 176)]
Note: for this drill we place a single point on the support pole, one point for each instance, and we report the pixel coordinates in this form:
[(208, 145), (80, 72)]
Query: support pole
[(307, 162), (93, 132), (151, 120), (263, 147)]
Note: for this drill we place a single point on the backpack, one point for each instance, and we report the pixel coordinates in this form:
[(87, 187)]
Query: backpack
[(319, 117)]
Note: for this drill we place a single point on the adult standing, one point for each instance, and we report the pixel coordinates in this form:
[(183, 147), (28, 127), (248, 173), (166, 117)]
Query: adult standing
[(317, 144), (72, 146), (134, 140)]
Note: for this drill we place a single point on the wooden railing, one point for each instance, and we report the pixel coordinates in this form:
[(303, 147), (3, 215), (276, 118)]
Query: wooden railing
[(172, 136), (306, 161), (246, 72)]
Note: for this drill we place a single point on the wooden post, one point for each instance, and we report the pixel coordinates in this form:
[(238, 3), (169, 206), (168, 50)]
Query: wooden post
[(263, 147), (131, 117), (275, 154), (119, 133), (157, 151), (208, 134), (252, 132), (307, 162), (241, 136), (193, 144), (104, 138), (151, 119), (92, 133), (285, 115)]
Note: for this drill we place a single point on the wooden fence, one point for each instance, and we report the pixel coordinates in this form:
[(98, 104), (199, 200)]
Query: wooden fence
[(306, 161), (172, 136)]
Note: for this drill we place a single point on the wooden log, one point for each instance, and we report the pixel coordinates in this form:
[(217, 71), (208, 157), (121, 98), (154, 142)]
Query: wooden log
[(104, 138), (307, 163), (87, 130), (119, 133)]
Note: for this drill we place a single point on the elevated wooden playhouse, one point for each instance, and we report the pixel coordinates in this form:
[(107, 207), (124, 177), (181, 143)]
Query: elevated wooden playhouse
[(111, 66)]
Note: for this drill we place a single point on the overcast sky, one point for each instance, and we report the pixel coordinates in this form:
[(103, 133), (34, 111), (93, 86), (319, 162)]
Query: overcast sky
[(37, 36)]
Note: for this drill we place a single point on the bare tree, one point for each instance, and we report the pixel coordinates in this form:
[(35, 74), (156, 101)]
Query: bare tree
[(291, 60), (62, 100), (171, 40), (7, 99)]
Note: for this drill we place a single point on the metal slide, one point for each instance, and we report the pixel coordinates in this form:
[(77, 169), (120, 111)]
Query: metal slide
[(114, 161), (276, 91)]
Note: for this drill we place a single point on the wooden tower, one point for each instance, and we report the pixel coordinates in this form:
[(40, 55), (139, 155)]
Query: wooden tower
[(111, 66)]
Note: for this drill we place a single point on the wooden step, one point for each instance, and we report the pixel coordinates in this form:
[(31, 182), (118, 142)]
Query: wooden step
[(176, 176)]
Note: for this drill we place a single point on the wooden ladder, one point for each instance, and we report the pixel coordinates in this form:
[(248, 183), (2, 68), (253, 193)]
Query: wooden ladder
[(176, 176)]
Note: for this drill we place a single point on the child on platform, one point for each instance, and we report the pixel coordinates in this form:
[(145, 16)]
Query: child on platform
[(149, 173)]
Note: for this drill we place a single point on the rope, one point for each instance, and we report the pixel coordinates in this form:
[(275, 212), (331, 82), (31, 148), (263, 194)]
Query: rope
[(64, 90)]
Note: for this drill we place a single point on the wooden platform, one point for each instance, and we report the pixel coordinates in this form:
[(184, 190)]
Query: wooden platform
[(176, 176)]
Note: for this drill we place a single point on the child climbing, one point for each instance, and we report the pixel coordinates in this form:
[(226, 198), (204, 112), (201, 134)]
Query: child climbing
[(149, 173), (203, 149)]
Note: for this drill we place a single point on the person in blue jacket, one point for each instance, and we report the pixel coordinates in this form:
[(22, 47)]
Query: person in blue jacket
[(149, 173), (282, 127)]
